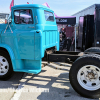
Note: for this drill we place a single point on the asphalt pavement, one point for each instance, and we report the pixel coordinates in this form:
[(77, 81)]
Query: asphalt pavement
[(52, 83)]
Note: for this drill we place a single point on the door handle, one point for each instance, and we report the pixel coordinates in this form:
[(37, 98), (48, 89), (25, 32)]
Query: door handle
[(31, 27), (36, 20)]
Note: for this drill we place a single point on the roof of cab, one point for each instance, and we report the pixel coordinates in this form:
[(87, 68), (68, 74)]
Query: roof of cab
[(30, 5)]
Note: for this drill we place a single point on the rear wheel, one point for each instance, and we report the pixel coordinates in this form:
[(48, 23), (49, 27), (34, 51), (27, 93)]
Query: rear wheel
[(6, 69), (85, 76)]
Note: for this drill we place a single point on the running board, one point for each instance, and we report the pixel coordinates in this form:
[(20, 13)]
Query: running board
[(29, 71)]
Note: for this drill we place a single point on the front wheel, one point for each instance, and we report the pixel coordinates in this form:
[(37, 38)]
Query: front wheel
[(6, 69), (85, 76)]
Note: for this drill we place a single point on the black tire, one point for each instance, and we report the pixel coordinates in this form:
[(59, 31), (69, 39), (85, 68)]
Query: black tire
[(93, 59), (9, 73), (93, 49)]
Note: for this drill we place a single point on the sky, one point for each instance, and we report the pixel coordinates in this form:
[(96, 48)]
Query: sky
[(60, 7)]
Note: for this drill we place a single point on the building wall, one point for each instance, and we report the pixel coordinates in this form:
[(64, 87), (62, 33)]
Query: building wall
[(87, 11)]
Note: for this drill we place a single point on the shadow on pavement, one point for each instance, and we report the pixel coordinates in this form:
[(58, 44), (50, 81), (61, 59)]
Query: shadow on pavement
[(12, 82)]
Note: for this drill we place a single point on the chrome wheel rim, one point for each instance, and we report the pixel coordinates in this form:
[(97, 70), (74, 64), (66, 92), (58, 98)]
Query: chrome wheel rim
[(4, 65), (89, 77)]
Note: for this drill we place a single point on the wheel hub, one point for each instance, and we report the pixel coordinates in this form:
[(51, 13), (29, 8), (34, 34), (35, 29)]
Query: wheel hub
[(4, 65), (89, 77)]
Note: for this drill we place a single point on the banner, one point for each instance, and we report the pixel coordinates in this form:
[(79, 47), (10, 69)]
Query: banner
[(27, 2), (11, 4)]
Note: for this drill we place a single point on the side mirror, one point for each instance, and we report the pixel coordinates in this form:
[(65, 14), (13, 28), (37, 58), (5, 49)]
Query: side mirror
[(8, 20)]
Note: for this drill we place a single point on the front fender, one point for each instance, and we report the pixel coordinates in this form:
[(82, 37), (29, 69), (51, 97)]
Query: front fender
[(8, 48), (10, 51)]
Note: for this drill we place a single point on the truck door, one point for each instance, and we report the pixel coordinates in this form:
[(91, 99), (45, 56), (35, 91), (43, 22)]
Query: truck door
[(24, 29)]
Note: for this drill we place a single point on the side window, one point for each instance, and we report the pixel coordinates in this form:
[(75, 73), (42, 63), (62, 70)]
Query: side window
[(49, 16), (16, 17), (23, 17)]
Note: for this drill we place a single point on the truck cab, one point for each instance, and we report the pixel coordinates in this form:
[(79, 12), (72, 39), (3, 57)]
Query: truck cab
[(30, 31)]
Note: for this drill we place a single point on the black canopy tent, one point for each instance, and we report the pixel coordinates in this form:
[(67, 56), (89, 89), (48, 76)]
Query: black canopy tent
[(70, 20)]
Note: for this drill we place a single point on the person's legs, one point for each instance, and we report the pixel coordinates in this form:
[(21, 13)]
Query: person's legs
[(69, 44), (65, 43)]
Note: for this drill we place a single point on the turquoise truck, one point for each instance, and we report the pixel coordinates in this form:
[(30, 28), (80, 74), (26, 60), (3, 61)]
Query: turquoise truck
[(31, 35), (26, 38)]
